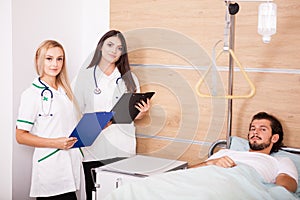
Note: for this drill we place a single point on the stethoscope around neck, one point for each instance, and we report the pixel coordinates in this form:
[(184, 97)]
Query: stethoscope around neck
[(44, 99), (97, 90)]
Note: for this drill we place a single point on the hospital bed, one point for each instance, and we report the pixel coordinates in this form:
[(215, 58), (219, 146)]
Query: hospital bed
[(210, 182)]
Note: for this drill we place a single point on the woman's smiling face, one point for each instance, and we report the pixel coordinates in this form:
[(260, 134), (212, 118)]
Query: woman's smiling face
[(111, 50), (53, 62)]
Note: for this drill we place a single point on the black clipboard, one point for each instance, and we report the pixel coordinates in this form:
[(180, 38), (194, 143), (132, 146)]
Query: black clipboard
[(89, 127), (125, 111)]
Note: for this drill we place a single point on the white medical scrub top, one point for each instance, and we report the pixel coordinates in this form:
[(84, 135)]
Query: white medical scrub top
[(117, 140), (59, 173)]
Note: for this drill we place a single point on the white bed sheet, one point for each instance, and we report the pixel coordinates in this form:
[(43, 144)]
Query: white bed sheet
[(210, 182)]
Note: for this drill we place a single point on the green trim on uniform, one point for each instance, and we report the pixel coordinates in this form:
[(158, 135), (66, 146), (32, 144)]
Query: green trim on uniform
[(81, 152), (24, 121), (37, 86), (48, 155)]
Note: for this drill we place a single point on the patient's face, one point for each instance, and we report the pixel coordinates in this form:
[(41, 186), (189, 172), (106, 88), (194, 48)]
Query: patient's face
[(260, 134)]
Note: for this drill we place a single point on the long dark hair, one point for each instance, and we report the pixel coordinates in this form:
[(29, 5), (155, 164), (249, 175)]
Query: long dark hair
[(122, 64), (276, 128)]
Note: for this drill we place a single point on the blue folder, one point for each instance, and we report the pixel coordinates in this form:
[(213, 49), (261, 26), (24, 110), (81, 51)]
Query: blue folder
[(89, 127)]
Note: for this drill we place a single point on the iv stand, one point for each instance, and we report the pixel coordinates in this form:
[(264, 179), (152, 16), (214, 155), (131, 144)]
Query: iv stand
[(232, 9), (230, 76), (229, 38)]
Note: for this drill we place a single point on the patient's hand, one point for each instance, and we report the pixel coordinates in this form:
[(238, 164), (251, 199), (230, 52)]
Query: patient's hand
[(224, 161)]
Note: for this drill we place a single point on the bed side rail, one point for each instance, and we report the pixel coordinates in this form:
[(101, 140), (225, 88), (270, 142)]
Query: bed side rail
[(220, 143), (291, 149)]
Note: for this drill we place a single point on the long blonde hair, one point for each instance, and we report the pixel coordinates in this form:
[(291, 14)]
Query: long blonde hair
[(62, 78)]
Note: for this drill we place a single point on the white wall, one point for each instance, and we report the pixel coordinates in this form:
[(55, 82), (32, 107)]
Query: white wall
[(78, 25), (6, 100)]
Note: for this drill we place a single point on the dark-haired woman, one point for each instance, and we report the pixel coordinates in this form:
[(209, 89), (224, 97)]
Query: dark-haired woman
[(97, 88)]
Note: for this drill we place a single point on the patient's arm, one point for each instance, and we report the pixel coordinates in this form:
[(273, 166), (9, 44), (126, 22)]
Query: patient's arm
[(224, 161), (286, 181)]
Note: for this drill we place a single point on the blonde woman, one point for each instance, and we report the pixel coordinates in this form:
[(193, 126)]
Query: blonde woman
[(47, 116)]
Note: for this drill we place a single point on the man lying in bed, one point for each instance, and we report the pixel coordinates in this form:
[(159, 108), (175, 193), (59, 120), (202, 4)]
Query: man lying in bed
[(265, 136)]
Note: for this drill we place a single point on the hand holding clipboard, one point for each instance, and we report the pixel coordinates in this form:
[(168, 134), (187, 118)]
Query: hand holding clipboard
[(143, 108), (87, 130), (125, 110)]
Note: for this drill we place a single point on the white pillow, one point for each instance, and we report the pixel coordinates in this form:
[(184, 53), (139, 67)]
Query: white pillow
[(239, 144)]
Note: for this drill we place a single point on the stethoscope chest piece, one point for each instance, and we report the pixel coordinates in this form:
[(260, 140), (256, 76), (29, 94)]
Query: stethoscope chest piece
[(45, 94), (97, 90)]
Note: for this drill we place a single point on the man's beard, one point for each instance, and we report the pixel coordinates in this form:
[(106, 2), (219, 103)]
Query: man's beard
[(257, 147)]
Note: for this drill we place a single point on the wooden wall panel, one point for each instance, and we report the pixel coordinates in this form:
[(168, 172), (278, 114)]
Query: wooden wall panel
[(273, 68), (161, 148), (204, 21)]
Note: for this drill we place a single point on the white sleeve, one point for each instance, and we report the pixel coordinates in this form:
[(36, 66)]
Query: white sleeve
[(28, 110), (287, 166)]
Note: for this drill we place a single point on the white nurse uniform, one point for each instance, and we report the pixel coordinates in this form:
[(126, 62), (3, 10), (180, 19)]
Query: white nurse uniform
[(59, 173)]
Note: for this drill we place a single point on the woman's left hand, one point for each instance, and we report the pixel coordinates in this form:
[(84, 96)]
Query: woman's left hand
[(143, 107)]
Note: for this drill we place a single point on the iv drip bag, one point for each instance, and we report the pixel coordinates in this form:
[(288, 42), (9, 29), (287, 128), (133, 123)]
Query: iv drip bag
[(267, 14)]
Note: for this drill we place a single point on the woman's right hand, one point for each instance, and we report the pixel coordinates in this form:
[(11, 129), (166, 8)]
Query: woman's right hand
[(26, 138), (65, 143)]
